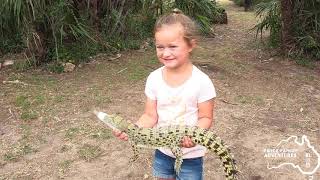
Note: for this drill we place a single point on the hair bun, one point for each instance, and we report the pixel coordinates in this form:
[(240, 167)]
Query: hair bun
[(176, 11)]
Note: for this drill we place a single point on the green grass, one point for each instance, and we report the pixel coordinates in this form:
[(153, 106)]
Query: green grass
[(64, 148), (35, 80), (14, 76), (64, 166), (101, 134), (305, 62), (139, 70), (101, 100), (39, 99), (153, 61), (307, 78), (138, 73), (18, 151), (10, 156), (59, 98), (89, 152), (29, 115), (24, 64), (88, 131), (245, 99), (41, 79), (26, 149), (26, 132), (72, 132), (27, 105), (98, 95), (24, 146), (23, 102)]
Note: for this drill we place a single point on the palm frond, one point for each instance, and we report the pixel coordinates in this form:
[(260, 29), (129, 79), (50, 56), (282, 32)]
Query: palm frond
[(269, 14), (203, 11)]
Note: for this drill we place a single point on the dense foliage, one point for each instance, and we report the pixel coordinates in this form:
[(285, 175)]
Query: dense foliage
[(269, 13), (305, 27), (253, 2), (71, 30)]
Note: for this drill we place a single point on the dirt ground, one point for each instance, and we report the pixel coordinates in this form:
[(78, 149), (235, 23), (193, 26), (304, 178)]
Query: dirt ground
[(47, 130)]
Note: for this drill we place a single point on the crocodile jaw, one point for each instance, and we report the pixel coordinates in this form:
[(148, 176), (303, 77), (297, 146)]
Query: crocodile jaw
[(105, 118)]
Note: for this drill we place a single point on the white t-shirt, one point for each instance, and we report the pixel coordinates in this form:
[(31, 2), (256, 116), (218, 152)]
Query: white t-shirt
[(179, 105)]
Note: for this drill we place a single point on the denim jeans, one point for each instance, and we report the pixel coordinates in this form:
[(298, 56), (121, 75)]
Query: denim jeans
[(163, 167)]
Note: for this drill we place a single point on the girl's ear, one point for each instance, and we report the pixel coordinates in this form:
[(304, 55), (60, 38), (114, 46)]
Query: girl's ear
[(192, 44)]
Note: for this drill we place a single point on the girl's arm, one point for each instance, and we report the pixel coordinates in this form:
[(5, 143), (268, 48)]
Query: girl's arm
[(150, 116), (148, 119), (205, 114), (205, 120)]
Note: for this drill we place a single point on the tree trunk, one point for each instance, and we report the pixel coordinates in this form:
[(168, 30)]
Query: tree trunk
[(247, 5), (286, 25), (36, 44)]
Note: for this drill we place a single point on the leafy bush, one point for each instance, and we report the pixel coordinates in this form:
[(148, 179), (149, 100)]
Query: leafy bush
[(239, 2), (269, 14), (75, 52), (203, 11), (254, 2), (11, 44), (306, 26), (40, 24), (65, 31)]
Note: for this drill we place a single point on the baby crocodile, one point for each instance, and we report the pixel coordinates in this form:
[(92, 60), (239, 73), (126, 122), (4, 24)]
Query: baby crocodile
[(170, 137)]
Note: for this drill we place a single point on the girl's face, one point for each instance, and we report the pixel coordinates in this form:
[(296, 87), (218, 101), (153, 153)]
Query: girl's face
[(172, 49)]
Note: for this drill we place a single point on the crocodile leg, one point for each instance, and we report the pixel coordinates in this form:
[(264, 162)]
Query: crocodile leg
[(135, 152), (176, 150)]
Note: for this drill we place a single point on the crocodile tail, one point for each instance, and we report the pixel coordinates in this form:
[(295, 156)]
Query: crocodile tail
[(213, 143)]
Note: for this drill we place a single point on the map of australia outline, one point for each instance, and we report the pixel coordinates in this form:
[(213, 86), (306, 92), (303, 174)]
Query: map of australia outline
[(304, 140)]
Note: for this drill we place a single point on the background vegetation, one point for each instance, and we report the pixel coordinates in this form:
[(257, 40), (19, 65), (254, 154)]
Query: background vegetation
[(59, 31), (72, 30), (293, 25), (254, 2), (304, 27)]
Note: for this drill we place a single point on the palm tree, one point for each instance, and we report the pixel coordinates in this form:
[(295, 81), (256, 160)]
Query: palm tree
[(46, 25), (40, 22), (286, 7)]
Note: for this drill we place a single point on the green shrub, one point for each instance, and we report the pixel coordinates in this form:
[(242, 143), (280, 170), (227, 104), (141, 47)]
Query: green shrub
[(254, 2), (64, 31), (269, 14), (239, 2), (12, 44), (55, 67), (203, 12), (305, 28)]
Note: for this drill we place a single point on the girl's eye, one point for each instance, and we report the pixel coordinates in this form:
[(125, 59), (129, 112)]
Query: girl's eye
[(172, 47), (159, 47)]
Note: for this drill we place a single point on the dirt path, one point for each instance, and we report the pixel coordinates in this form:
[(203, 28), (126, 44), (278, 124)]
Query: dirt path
[(47, 130)]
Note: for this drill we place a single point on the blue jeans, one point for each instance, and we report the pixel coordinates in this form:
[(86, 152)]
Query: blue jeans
[(163, 167)]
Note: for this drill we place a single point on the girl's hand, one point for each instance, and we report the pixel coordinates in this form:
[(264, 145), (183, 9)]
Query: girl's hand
[(120, 135), (187, 142)]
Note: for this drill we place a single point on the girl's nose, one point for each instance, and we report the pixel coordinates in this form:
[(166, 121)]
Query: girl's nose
[(166, 52)]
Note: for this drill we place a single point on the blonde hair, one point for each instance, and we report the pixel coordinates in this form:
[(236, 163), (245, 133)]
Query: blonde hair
[(177, 17)]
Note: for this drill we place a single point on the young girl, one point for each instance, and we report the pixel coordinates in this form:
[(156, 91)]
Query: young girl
[(178, 93)]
